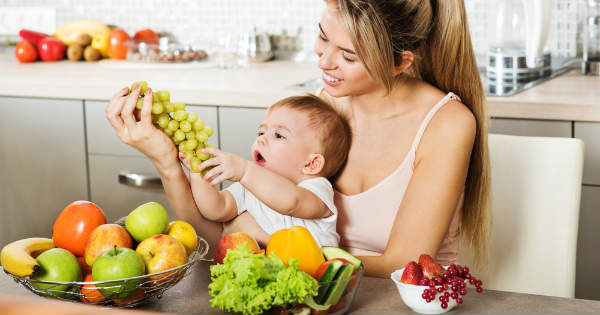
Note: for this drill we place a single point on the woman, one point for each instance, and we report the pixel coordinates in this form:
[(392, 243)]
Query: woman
[(417, 175)]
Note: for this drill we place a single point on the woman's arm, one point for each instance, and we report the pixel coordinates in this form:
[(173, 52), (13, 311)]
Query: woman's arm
[(153, 143), (441, 166)]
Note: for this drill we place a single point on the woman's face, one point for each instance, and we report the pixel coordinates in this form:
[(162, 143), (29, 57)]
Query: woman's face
[(343, 73)]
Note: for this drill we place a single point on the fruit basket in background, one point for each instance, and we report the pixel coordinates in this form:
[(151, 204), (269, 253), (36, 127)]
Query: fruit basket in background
[(136, 289)]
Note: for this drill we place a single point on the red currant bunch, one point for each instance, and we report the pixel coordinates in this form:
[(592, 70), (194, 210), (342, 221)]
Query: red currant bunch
[(451, 284)]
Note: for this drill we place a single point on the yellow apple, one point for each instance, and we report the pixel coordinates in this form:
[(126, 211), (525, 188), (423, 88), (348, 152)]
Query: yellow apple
[(161, 252), (185, 233)]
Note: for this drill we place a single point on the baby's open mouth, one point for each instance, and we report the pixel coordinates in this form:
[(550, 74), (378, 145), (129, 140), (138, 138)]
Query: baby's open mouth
[(259, 159)]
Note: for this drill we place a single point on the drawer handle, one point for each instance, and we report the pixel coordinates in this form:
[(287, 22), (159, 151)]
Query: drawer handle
[(139, 180)]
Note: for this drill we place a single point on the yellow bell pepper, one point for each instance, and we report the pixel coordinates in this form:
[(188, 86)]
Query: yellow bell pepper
[(100, 42), (297, 242)]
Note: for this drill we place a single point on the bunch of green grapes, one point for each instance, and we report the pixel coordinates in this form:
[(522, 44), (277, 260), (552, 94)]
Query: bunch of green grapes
[(189, 133)]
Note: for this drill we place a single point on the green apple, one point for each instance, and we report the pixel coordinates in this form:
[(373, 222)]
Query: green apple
[(147, 220), (57, 264), (115, 264)]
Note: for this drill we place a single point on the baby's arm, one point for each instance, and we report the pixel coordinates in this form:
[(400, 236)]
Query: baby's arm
[(214, 205)]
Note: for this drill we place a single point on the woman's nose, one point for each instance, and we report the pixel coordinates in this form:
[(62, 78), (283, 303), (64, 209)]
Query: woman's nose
[(326, 61)]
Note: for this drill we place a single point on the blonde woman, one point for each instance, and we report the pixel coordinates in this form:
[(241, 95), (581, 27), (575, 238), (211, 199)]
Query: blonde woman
[(417, 176)]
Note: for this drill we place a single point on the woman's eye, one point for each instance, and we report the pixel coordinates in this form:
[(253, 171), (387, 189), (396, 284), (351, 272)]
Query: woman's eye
[(322, 37), (350, 60)]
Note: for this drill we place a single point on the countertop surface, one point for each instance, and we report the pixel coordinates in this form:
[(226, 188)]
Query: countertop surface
[(374, 296), (570, 96)]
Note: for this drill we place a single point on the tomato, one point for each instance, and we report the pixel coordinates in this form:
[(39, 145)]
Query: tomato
[(116, 44), (147, 36), (74, 225), (26, 52), (51, 49)]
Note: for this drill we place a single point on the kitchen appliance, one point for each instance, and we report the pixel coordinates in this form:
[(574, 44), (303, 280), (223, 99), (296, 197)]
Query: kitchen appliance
[(591, 39), (255, 46), (518, 33)]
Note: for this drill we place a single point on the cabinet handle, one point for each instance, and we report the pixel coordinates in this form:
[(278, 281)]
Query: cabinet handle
[(139, 180)]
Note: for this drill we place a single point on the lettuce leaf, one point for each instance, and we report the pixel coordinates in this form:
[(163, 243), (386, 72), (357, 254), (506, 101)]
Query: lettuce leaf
[(252, 283)]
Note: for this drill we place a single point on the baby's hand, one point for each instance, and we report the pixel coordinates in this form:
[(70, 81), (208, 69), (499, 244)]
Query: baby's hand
[(226, 166), (184, 161)]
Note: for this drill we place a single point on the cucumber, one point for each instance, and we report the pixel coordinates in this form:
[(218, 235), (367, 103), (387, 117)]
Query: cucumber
[(343, 279), (331, 252), (328, 275)]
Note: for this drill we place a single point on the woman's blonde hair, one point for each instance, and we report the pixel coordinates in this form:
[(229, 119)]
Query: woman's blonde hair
[(437, 33)]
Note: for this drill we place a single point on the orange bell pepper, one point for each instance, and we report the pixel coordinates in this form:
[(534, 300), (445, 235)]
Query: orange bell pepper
[(297, 242)]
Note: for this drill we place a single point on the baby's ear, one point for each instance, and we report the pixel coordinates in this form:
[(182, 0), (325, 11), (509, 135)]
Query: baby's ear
[(315, 164)]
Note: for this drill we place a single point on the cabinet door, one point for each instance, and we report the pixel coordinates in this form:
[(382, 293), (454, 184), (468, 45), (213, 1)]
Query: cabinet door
[(42, 164), (531, 128), (103, 140), (587, 283), (118, 199), (589, 132), (238, 127)]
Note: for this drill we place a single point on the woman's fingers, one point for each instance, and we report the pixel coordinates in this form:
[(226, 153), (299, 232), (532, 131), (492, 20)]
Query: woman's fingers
[(114, 108), (122, 92), (146, 115), (127, 111)]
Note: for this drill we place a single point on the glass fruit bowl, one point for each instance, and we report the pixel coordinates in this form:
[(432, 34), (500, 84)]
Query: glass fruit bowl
[(168, 52), (126, 292), (340, 293)]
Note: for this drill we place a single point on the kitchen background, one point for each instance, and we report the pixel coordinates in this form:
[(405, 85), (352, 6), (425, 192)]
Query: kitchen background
[(208, 21)]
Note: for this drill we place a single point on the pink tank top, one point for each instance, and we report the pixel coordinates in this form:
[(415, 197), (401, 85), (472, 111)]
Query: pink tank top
[(365, 219)]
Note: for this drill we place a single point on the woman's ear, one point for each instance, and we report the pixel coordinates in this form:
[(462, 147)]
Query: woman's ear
[(403, 61), (315, 164)]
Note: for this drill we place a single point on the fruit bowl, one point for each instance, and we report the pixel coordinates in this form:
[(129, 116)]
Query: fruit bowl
[(411, 296), (135, 289)]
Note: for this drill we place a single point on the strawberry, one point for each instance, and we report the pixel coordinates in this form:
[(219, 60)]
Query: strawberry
[(430, 267), (412, 273)]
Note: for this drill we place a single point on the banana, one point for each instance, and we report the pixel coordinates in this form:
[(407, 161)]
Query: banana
[(69, 32), (17, 257)]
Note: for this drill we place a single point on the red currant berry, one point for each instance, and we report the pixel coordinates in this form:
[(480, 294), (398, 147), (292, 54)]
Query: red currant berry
[(440, 289), (459, 300), (424, 296), (468, 276), (466, 269), (478, 283), (438, 280), (454, 288), (444, 305), (454, 295), (472, 281), (463, 292), (441, 298), (478, 289), (445, 286)]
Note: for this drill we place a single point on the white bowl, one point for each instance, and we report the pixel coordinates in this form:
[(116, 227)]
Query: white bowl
[(411, 296)]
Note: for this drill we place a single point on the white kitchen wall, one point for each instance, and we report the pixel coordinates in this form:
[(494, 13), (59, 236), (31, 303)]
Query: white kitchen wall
[(205, 20)]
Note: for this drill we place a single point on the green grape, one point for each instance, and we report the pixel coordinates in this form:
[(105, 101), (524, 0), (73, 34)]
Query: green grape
[(208, 130), (173, 125), (191, 144), (198, 125), (179, 106), (179, 115), (155, 98), (177, 142), (192, 117), (143, 84), (190, 135), (168, 132), (179, 135), (202, 156), (200, 146), (163, 120), (209, 145), (195, 164), (164, 95), (157, 108), (201, 136), (182, 146), (154, 118), (139, 104), (189, 155), (170, 107), (185, 126)]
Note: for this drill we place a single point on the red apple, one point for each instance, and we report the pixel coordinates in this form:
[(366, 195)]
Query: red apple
[(161, 252), (51, 49), (232, 241), (103, 238)]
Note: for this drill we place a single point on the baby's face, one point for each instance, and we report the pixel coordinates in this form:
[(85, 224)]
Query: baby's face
[(285, 142)]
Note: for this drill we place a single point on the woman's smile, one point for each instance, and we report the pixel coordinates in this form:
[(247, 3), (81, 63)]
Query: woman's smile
[(331, 80)]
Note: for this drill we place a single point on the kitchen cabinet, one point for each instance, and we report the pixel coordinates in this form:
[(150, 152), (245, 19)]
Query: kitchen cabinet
[(587, 283), (238, 129), (109, 157), (589, 132), (531, 128), (42, 163)]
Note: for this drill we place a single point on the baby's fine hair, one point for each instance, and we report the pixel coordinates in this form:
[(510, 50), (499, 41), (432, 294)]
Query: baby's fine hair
[(333, 129)]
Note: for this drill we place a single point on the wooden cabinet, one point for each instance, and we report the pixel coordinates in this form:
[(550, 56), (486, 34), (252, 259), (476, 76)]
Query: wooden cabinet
[(42, 164), (531, 128), (109, 158), (589, 132), (587, 283)]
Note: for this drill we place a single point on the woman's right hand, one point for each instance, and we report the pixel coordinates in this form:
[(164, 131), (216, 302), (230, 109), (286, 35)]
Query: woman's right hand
[(141, 135)]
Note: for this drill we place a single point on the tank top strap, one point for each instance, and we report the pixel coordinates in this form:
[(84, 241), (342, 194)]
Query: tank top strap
[(449, 97)]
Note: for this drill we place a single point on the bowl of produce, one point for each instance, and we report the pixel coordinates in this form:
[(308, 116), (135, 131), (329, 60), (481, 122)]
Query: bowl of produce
[(169, 53), (428, 288), (88, 260)]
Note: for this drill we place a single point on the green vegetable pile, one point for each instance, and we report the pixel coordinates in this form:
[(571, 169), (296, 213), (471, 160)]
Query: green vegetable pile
[(252, 283)]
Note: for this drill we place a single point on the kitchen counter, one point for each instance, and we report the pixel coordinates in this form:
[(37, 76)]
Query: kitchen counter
[(569, 97), (374, 296)]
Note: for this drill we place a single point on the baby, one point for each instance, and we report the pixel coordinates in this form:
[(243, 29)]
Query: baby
[(301, 142)]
